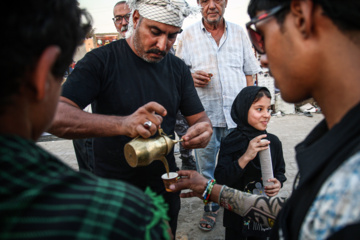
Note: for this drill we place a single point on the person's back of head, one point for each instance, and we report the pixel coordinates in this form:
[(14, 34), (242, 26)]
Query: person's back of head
[(34, 26)]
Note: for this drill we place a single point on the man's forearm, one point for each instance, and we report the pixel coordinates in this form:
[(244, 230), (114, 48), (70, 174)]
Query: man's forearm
[(72, 123), (249, 80), (258, 208)]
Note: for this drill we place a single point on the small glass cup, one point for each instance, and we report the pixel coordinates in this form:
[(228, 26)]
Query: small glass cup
[(173, 177)]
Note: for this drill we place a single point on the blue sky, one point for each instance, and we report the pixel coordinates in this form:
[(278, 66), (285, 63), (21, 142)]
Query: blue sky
[(102, 12)]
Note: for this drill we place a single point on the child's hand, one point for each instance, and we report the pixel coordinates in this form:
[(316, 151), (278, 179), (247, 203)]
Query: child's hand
[(255, 145), (274, 189)]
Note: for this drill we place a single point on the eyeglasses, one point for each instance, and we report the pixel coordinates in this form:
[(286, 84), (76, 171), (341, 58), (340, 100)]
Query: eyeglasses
[(256, 38), (118, 19)]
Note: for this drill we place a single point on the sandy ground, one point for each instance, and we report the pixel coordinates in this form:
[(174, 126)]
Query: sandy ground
[(291, 129)]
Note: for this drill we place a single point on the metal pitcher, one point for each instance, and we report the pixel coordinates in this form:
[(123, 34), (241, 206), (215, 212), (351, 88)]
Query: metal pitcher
[(142, 152)]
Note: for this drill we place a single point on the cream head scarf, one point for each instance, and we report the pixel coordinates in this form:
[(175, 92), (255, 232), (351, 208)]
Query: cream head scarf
[(171, 12)]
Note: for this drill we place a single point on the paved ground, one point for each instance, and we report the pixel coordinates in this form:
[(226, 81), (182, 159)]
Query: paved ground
[(291, 129)]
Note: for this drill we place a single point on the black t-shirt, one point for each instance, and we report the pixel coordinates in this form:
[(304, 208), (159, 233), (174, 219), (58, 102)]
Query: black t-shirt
[(117, 82)]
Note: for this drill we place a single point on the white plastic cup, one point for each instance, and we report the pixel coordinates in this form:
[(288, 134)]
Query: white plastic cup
[(173, 177)]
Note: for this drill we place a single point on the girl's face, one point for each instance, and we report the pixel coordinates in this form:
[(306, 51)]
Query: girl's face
[(259, 113)]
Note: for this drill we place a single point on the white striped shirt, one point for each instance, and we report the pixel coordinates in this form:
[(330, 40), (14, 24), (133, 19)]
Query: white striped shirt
[(229, 63)]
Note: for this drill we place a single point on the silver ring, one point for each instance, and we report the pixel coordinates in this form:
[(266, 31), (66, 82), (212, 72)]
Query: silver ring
[(147, 124)]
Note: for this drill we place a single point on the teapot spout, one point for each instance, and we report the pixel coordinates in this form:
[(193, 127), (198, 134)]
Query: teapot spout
[(169, 144)]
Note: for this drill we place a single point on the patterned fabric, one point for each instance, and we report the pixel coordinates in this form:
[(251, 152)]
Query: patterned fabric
[(261, 209), (171, 12), (337, 204), (42, 198), (229, 63)]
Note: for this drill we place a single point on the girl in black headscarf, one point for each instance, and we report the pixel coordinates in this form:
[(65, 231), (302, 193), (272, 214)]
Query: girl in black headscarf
[(238, 163)]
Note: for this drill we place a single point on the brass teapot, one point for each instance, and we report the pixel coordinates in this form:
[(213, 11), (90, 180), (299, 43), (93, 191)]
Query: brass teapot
[(141, 152)]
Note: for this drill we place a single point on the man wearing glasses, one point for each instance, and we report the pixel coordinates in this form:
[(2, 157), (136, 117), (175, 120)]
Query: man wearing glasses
[(121, 18), (312, 48)]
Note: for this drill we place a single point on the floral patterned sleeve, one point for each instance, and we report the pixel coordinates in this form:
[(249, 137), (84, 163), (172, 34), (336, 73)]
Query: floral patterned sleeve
[(261, 209), (336, 206)]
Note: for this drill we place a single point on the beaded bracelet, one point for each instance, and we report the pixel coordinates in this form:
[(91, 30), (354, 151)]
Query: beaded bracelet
[(208, 190), (207, 185)]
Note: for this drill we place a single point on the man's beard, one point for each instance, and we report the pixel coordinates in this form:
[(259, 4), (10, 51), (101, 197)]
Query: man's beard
[(142, 53), (214, 21)]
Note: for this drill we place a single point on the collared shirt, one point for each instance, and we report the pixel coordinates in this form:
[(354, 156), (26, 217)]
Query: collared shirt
[(229, 63)]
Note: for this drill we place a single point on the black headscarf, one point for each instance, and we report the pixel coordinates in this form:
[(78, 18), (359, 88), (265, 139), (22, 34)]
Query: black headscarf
[(244, 132)]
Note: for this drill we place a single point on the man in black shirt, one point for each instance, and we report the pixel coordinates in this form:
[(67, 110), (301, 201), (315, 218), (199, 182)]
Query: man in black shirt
[(128, 83)]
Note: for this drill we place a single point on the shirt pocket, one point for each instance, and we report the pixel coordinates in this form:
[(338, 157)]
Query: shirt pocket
[(235, 60)]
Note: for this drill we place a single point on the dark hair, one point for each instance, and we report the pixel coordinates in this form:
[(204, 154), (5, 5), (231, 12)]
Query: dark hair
[(120, 2), (31, 27), (344, 14), (264, 5), (260, 94)]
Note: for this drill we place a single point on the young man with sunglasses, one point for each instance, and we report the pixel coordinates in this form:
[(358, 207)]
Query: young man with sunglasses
[(312, 48)]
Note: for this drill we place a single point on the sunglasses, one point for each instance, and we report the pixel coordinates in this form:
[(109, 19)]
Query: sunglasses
[(256, 38)]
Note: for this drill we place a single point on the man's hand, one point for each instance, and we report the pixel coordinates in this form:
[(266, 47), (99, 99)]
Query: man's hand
[(190, 180), (198, 135), (134, 123), (201, 78)]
